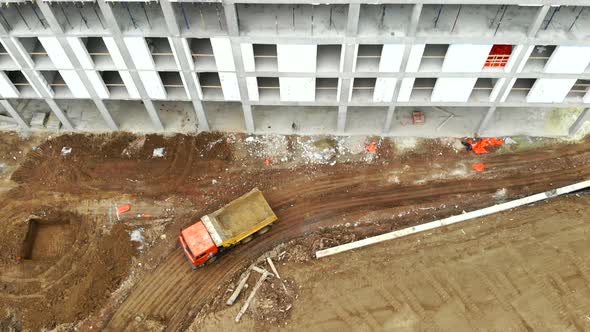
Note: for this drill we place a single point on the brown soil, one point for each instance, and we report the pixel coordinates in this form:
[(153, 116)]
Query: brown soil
[(104, 281), (58, 265), (521, 270)]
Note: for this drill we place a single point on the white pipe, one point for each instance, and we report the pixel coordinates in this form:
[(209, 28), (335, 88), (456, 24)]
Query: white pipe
[(454, 219)]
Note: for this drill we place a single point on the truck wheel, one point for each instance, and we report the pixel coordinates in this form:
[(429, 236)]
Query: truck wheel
[(263, 230), (246, 239), (211, 260)]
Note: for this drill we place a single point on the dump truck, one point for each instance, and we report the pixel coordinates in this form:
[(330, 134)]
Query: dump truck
[(237, 222)]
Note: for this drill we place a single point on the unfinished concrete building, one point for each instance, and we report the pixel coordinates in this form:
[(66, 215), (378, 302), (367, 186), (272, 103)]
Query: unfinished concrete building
[(407, 68)]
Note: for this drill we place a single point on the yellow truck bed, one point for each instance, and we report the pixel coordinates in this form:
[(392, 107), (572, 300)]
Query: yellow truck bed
[(239, 219)]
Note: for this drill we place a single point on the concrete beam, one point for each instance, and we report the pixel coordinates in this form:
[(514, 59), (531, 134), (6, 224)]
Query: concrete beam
[(231, 19), (485, 121), (184, 62), (77, 66), (113, 26), (14, 114), (580, 121), (411, 33), (13, 47), (534, 28), (348, 65)]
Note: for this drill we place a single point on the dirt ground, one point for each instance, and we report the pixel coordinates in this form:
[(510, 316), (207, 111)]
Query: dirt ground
[(526, 269), (68, 262)]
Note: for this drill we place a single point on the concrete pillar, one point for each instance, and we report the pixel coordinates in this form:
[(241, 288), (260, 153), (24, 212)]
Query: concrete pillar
[(231, 19), (349, 61), (485, 121), (10, 109), (60, 50), (111, 23), (514, 66), (577, 125), (24, 61), (410, 60)]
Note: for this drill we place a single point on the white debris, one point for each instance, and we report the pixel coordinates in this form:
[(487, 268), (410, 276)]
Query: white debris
[(213, 181), (250, 139), (509, 141), (137, 236), (159, 153), (66, 150)]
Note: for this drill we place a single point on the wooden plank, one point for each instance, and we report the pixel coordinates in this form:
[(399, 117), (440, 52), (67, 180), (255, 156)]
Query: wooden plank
[(238, 289), (251, 296), (272, 267), (454, 219)]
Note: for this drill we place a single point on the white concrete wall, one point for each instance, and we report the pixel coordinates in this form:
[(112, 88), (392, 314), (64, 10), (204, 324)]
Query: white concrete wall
[(464, 58), (86, 62), (297, 88), (415, 57), (248, 57), (222, 52), (297, 58), (7, 89), (452, 89), (144, 63), (568, 60), (74, 83), (391, 57), (384, 88), (405, 89), (252, 85), (565, 60), (120, 64), (229, 86), (550, 90), (64, 65), (56, 53)]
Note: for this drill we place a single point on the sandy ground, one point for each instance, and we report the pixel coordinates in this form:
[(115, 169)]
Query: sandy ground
[(67, 262), (526, 269)]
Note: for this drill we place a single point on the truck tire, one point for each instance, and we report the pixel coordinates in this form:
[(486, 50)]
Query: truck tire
[(246, 239), (263, 230)]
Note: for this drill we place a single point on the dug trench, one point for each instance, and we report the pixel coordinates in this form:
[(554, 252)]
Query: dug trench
[(201, 173)]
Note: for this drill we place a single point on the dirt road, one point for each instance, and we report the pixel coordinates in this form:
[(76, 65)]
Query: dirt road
[(173, 293), (199, 174), (521, 270)]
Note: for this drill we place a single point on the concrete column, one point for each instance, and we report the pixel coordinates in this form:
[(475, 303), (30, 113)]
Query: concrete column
[(111, 23), (70, 56), (16, 51), (348, 64), (521, 57), (185, 63), (231, 19), (577, 125), (10, 109), (410, 32)]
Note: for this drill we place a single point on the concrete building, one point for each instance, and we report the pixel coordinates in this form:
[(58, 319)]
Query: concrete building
[(500, 67)]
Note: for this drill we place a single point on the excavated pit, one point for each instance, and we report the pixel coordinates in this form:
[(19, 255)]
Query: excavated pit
[(48, 239)]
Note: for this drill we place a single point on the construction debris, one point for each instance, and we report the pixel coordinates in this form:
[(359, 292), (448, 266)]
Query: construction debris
[(272, 267), (251, 296), (238, 289), (479, 145), (159, 153), (66, 151), (454, 219), (479, 167)]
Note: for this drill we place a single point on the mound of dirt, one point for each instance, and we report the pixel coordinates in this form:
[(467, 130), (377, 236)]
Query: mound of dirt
[(274, 301), (58, 266)]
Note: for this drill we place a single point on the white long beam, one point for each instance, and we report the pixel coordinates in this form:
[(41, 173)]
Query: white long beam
[(453, 220)]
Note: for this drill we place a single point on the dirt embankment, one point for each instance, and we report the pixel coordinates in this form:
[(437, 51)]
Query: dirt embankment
[(58, 265), (352, 194)]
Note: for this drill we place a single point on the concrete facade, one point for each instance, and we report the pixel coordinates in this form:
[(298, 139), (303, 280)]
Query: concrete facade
[(354, 67)]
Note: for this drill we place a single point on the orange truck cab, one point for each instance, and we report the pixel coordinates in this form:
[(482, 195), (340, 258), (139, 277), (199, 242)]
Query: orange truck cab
[(197, 244), (236, 222)]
